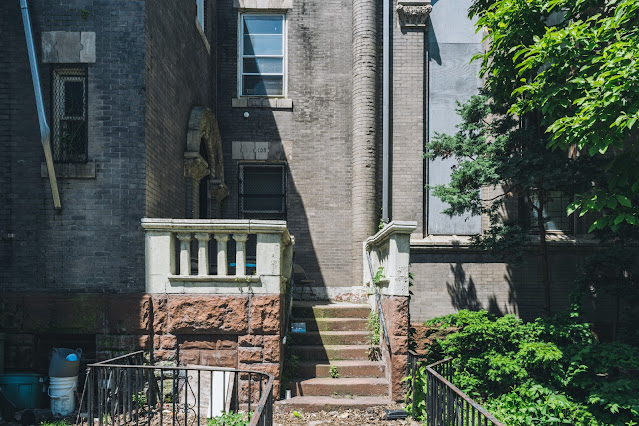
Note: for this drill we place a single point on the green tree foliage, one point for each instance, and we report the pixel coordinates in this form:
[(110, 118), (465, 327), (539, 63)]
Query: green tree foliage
[(573, 64), (549, 371), (494, 149)]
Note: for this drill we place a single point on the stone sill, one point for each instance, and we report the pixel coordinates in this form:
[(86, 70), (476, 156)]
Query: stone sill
[(463, 242), (203, 36), (224, 279), (70, 170), (270, 103)]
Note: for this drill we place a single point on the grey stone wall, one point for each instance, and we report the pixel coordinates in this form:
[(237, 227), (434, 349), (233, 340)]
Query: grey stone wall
[(314, 134), (180, 75), (95, 242)]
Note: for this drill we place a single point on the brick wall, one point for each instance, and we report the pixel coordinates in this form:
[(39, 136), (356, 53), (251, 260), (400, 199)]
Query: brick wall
[(180, 75), (447, 280), (95, 241), (315, 133)]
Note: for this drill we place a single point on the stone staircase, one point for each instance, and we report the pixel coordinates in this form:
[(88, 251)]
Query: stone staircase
[(336, 337)]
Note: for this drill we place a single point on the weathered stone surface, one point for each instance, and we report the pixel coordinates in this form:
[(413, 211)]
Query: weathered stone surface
[(399, 370), (162, 355), (128, 314), (272, 348), (79, 313), (208, 342), (167, 341), (250, 340), (219, 358), (191, 356), (250, 355), (397, 315), (399, 345), (207, 314), (160, 315), (265, 314)]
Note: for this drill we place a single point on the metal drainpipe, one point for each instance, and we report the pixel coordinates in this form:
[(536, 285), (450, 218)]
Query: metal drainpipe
[(386, 214), (45, 133)]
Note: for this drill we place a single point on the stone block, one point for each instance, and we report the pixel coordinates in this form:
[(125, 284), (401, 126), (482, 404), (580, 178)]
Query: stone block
[(250, 355), (399, 345), (208, 343), (399, 370), (250, 340), (128, 314), (265, 315), (167, 341), (191, 356), (160, 315), (272, 348), (164, 355), (218, 358), (207, 314), (397, 314), (68, 47)]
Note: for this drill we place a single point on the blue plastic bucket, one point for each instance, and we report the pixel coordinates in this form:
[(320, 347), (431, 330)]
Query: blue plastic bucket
[(24, 390)]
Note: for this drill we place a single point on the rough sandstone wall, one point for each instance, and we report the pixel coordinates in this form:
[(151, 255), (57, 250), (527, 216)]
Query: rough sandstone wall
[(397, 316)]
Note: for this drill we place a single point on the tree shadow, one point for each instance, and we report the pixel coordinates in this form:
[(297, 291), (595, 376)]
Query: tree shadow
[(463, 292)]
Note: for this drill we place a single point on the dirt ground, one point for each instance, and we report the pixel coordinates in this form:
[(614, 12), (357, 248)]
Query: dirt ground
[(371, 416)]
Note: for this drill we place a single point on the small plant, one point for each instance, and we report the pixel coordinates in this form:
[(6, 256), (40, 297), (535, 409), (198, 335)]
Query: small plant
[(55, 423), (297, 414), (85, 14), (231, 419), (139, 399), (374, 328), (334, 372), (378, 275), (290, 368)]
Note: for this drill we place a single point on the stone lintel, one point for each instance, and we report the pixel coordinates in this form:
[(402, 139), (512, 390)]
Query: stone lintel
[(68, 47), (263, 4)]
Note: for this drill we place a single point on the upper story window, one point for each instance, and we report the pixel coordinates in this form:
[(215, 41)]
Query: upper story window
[(554, 211), (262, 60), (69, 111)]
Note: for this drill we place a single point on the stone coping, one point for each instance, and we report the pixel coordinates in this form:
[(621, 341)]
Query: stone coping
[(463, 242), (251, 226), (270, 103), (234, 279), (394, 227)]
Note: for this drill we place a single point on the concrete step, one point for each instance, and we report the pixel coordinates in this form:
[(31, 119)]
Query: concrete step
[(330, 352), (333, 324), (343, 386), (330, 338), (330, 310), (345, 368), (313, 404)]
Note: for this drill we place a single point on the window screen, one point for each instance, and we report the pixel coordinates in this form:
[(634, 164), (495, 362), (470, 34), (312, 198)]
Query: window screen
[(262, 191), (69, 110)]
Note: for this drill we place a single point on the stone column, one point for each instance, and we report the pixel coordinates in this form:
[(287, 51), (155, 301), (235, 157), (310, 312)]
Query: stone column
[(222, 266), (363, 127), (203, 253), (240, 253), (185, 253)]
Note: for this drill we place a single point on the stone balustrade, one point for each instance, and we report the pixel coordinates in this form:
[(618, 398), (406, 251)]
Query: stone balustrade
[(389, 249), (170, 261)]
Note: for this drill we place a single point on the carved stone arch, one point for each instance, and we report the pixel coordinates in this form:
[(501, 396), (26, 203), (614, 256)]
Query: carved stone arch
[(203, 128)]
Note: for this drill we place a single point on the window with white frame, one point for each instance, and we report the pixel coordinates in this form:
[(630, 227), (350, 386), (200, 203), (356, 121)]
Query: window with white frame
[(262, 59), (69, 111)]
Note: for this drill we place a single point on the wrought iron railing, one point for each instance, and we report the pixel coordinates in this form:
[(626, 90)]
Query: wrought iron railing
[(124, 390), (444, 403), (380, 311)]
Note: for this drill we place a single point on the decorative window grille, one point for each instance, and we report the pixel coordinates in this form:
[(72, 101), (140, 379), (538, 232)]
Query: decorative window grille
[(262, 54), (262, 191), (69, 110)]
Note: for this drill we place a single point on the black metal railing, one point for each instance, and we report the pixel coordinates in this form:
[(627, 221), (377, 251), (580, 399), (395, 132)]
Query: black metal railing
[(380, 311), (443, 402), (127, 390)]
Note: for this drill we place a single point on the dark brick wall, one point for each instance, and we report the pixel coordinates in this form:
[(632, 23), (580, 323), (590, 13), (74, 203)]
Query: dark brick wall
[(180, 75), (95, 243), (316, 132)]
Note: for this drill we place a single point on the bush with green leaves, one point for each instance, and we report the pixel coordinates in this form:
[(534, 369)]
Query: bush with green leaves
[(231, 419), (548, 371)]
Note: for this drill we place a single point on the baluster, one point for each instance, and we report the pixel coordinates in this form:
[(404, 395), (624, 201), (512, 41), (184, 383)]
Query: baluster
[(185, 253), (240, 253), (202, 253), (222, 266)]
